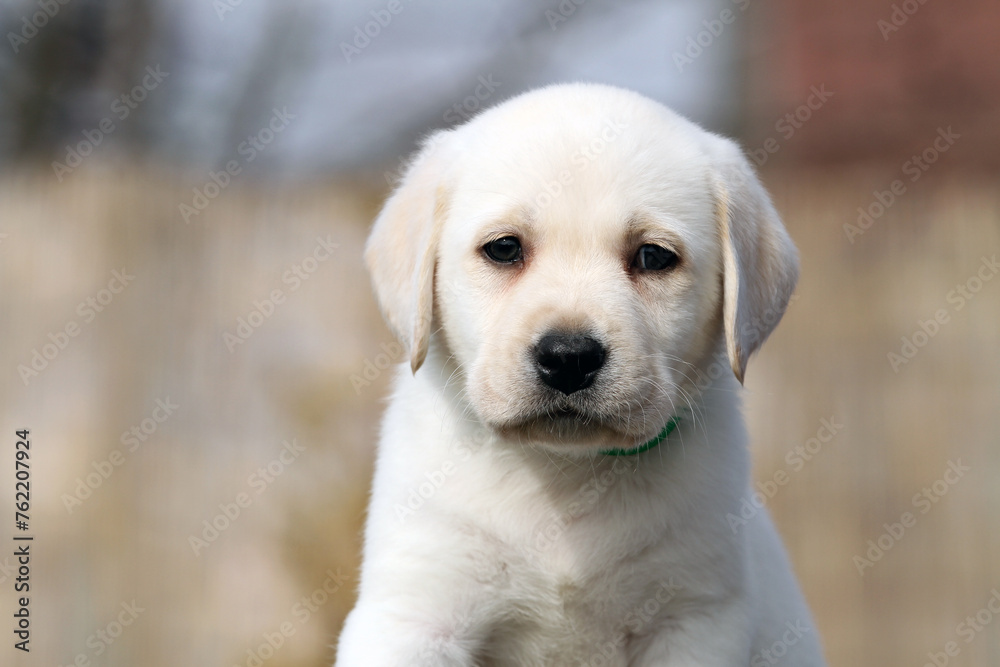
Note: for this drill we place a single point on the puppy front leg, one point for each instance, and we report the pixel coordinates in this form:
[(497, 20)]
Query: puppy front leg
[(394, 634), (719, 637)]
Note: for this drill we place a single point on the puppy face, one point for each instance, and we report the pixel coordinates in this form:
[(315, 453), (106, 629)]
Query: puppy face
[(584, 250), (577, 310)]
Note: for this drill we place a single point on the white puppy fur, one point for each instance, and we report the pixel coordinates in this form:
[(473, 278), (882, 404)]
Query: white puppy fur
[(500, 531)]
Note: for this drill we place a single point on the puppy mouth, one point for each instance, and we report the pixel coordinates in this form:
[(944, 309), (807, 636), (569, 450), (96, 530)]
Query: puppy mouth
[(602, 416), (561, 423), (567, 417)]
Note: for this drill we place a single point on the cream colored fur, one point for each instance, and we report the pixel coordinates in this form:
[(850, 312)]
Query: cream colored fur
[(498, 533)]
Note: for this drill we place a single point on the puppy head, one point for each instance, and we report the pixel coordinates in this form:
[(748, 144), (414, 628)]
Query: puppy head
[(584, 250)]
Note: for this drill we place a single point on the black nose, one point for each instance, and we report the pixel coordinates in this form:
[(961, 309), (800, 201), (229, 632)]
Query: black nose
[(568, 362)]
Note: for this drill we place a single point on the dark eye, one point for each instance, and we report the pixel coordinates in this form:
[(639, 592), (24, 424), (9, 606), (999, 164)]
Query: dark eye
[(655, 258), (506, 250)]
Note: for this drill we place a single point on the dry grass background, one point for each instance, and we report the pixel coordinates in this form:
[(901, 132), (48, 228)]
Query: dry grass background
[(163, 337)]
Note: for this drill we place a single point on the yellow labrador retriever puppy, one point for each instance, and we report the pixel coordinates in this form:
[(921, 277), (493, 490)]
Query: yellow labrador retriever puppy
[(562, 459)]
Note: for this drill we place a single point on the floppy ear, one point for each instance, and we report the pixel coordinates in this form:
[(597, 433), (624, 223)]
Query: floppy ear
[(401, 251), (760, 263)]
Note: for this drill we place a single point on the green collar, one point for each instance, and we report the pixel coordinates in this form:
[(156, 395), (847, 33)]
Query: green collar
[(667, 430)]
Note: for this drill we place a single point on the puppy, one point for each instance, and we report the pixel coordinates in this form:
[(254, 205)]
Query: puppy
[(578, 276)]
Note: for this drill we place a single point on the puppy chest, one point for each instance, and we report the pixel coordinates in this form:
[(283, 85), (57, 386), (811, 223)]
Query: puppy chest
[(556, 629), (563, 620)]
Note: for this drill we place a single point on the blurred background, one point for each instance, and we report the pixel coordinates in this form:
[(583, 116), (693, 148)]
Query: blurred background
[(189, 334)]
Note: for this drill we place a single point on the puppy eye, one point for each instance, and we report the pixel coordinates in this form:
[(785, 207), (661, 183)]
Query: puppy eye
[(655, 258), (506, 250)]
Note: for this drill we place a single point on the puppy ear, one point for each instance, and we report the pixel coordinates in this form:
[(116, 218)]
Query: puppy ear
[(760, 263), (401, 251)]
